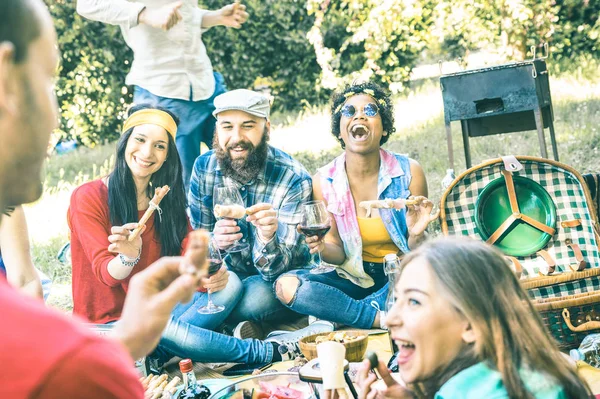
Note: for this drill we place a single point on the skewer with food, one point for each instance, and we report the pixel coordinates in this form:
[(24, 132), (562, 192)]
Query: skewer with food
[(386, 204)]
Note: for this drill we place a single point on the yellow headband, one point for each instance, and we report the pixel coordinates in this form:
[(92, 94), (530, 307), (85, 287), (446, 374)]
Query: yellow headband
[(151, 116)]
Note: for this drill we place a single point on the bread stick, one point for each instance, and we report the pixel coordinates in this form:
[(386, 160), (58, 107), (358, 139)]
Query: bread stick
[(383, 204), (159, 194), (230, 211), (173, 383)]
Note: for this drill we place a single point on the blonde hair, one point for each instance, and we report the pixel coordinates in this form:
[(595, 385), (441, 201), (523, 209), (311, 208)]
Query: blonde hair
[(510, 334)]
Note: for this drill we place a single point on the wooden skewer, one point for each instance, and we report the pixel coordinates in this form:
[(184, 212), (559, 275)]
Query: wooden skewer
[(159, 194)]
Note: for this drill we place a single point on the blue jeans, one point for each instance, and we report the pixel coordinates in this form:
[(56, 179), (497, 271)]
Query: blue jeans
[(189, 334), (259, 302), (196, 122), (329, 297)]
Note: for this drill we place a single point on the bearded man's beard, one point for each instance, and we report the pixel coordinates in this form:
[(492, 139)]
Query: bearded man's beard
[(242, 170)]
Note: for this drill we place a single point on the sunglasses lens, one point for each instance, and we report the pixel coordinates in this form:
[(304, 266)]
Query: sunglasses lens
[(348, 111), (371, 109)]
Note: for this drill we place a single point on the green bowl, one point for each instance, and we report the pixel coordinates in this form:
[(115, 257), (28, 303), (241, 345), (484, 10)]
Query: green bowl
[(493, 208)]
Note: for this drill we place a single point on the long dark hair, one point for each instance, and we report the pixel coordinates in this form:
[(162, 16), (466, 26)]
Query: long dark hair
[(122, 195), (476, 279)]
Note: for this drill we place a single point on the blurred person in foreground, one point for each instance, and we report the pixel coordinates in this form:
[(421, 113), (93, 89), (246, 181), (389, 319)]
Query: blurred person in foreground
[(49, 354)]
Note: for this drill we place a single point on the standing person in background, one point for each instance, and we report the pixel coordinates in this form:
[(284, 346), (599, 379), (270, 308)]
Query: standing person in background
[(15, 255), (170, 66)]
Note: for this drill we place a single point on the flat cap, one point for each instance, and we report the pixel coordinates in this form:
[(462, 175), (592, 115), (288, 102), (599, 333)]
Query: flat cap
[(249, 101)]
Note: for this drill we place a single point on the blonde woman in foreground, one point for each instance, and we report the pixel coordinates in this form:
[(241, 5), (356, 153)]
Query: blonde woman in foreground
[(466, 329)]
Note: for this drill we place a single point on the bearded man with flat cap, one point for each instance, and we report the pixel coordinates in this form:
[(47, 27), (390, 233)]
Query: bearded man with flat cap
[(273, 187)]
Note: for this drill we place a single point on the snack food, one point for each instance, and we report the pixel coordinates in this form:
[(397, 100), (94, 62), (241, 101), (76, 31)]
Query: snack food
[(337, 336), (159, 194), (385, 204), (230, 211), (159, 387)]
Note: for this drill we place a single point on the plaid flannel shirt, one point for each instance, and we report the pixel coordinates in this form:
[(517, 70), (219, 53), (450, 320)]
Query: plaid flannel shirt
[(285, 184)]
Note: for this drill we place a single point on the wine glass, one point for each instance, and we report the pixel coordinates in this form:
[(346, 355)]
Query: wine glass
[(214, 261), (316, 222), (229, 199)]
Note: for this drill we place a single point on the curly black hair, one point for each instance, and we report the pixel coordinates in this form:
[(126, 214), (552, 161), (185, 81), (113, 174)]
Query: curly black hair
[(384, 102)]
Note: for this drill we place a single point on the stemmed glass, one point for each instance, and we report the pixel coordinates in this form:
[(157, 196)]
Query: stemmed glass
[(229, 197), (316, 222), (214, 261)]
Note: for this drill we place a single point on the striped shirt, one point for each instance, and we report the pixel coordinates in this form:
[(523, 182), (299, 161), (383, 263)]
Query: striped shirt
[(285, 184)]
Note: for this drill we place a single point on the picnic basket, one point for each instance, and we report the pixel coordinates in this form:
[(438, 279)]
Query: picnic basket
[(540, 213)]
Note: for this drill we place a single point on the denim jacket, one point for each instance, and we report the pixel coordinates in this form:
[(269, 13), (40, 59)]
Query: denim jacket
[(393, 182)]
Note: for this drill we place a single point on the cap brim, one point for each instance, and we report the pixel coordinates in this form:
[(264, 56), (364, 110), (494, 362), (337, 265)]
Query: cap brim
[(246, 110)]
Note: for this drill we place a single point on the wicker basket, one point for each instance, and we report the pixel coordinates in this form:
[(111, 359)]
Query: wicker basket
[(570, 318), (355, 350)]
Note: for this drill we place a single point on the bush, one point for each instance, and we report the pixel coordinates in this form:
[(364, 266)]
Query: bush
[(91, 87), (270, 50)]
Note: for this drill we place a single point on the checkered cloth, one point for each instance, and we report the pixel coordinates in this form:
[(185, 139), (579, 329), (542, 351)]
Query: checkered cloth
[(567, 192)]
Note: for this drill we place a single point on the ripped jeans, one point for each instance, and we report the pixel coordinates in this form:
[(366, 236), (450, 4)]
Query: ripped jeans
[(330, 297)]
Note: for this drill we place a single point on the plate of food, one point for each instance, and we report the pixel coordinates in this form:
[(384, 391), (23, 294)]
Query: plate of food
[(281, 385)]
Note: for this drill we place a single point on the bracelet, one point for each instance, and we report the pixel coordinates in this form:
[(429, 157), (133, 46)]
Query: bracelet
[(130, 262)]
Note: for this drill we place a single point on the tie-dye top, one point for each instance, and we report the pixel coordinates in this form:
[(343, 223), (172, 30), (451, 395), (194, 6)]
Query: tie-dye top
[(393, 182)]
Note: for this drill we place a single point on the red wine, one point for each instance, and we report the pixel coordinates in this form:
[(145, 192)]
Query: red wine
[(317, 230), (214, 266)]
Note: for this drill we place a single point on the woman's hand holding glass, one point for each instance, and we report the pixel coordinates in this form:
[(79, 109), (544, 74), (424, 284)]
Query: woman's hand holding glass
[(393, 389), (119, 243)]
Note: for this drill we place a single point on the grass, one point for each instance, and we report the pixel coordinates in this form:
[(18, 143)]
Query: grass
[(420, 134)]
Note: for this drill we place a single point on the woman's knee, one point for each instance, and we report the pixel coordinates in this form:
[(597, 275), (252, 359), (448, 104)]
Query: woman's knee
[(286, 288)]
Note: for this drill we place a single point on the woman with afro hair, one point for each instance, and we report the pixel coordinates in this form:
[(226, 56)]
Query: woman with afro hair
[(355, 291)]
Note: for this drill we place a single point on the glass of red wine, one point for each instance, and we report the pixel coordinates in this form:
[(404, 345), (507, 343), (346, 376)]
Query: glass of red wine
[(214, 261), (316, 222)]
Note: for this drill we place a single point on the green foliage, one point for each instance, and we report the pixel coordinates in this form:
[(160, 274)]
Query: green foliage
[(270, 50), (91, 86), (377, 40)]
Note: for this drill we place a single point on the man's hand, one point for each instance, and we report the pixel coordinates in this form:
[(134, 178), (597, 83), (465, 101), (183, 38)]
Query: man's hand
[(164, 17), (119, 243), (152, 295), (226, 232), (264, 218), (233, 15), (217, 281)]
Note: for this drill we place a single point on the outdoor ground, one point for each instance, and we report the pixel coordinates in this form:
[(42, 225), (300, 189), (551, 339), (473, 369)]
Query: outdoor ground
[(420, 133)]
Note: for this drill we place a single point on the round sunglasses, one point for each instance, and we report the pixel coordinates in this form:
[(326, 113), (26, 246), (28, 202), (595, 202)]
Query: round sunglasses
[(370, 110)]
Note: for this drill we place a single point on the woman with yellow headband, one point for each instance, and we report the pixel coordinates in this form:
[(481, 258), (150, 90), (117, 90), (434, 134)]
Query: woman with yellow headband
[(103, 213), (362, 120)]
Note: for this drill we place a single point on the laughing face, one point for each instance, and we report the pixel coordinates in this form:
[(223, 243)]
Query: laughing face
[(429, 332), (146, 150), (240, 144), (361, 133)]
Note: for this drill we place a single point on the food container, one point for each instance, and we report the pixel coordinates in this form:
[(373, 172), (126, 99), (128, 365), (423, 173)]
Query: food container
[(355, 350)]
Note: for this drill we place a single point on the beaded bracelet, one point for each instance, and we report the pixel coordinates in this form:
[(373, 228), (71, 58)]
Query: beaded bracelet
[(130, 262)]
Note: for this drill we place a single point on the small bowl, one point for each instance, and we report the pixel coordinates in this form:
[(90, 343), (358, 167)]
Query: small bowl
[(355, 350)]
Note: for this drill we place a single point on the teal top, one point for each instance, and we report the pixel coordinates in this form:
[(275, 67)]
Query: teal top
[(480, 381)]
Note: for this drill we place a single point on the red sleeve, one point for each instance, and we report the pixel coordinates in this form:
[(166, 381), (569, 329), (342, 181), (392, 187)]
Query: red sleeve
[(99, 369), (90, 222)]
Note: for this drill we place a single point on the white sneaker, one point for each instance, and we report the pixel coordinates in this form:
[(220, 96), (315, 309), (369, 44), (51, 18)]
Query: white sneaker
[(248, 329), (288, 340)]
